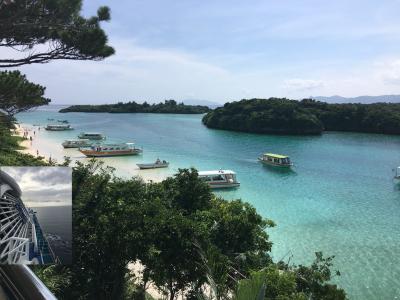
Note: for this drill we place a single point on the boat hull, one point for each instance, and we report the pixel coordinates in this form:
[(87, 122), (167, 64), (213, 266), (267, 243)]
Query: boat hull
[(272, 164), (90, 153), (151, 166), (58, 129), (223, 185), (74, 146)]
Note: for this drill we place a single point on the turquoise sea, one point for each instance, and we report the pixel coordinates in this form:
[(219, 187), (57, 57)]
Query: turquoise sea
[(339, 199)]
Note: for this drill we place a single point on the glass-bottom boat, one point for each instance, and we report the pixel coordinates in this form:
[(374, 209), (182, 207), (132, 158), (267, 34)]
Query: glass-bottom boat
[(276, 160), (21, 238), (105, 150), (58, 127), (220, 178), (157, 164), (91, 136)]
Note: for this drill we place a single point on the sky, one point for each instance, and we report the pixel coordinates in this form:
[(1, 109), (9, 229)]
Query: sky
[(43, 186), (226, 50)]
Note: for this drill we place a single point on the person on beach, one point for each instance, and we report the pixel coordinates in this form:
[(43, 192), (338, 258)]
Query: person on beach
[(37, 152)]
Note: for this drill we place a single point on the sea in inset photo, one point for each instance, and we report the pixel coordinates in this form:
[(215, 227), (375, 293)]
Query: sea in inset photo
[(35, 215)]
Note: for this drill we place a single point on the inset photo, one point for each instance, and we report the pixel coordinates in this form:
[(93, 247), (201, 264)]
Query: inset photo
[(35, 215)]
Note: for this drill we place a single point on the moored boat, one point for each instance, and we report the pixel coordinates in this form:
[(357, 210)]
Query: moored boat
[(91, 136), (63, 121), (105, 150), (397, 173), (58, 127), (220, 178), (157, 164), (76, 143), (276, 160)]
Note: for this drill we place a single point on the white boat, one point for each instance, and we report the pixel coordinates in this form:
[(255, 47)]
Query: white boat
[(105, 150), (76, 143), (157, 164), (397, 173), (58, 127), (276, 160), (220, 178), (91, 136)]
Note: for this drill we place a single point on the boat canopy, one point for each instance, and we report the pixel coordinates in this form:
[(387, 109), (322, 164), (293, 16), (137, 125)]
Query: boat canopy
[(58, 125), (92, 133), (275, 155), (216, 172), (77, 141), (108, 146)]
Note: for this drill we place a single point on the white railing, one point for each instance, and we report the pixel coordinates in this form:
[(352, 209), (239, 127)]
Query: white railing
[(16, 250), (14, 230)]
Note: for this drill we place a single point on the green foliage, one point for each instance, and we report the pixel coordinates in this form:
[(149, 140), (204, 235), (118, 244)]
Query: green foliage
[(17, 94), (252, 288), (107, 223), (56, 277), (167, 226), (187, 192), (283, 282), (54, 25), (313, 280), (8, 145), (283, 116), (168, 107)]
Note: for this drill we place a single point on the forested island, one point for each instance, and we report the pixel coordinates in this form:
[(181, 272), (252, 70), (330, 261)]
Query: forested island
[(308, 116), (168, 107)]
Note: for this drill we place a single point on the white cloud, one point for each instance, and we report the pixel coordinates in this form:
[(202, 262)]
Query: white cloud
[(133, 73), (298, 84), (389, 71), (43, 185)]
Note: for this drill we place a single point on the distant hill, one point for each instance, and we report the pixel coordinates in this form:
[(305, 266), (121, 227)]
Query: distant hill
[(210, 104), (359, 99), (168, 107)]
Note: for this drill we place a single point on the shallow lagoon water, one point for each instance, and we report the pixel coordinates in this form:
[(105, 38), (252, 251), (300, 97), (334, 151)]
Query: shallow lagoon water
[(339, 199)]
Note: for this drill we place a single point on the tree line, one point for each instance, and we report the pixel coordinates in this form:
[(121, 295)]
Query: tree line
[(308, 116), (166, 107)]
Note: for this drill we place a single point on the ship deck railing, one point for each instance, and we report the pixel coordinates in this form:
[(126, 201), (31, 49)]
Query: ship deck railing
[(16, 250), (14, 230), (45, 251)]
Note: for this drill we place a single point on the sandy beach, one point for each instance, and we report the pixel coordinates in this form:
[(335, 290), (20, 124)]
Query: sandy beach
[(30, 135), (38, 144)]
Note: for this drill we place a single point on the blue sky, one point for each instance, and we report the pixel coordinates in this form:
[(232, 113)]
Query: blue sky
[(228, 50)]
